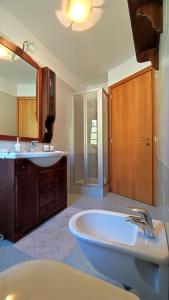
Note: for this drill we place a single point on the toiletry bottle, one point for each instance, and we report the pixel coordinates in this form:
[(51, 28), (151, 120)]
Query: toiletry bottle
[(46, 148), (18, 146)]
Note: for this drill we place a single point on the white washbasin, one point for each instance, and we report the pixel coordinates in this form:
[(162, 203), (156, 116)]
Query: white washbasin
[(40, 158), (48, 280), (104, 227), (111, 230)]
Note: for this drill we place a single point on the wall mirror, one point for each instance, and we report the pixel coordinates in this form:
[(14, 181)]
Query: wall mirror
[(20, 94)]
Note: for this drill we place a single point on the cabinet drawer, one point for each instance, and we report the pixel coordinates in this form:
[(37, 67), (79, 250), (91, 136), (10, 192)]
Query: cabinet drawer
[(47, 210), (47, 178), (47, 187), (46, 198)]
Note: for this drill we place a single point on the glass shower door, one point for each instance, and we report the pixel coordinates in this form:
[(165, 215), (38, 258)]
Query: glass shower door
[(90, 159), (91, 138), (79, 169)]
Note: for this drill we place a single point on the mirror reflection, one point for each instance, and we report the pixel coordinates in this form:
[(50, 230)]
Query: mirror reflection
[(18, 96)]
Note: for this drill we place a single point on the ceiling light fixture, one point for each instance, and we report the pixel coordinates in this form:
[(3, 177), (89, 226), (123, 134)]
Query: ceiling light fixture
[(78, 11), (80, 15)]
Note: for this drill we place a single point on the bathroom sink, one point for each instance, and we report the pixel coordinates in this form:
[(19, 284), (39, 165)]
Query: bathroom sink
[(111, 230), (121, 251), (39, 158)]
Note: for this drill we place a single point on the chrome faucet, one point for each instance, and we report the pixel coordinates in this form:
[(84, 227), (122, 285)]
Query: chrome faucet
[(143, 220)]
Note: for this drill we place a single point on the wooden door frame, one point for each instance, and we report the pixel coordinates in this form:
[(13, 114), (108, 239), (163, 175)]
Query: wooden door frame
[(153, 126)]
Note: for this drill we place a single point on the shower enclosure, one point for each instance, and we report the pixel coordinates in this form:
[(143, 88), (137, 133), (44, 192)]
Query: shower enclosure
[(89, 171)]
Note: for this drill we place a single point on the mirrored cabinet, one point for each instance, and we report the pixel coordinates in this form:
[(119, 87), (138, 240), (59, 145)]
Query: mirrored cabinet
[(20, 93), (27, 96)]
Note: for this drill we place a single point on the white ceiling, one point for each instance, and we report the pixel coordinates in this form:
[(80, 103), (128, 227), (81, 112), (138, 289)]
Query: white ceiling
[(88, 54)]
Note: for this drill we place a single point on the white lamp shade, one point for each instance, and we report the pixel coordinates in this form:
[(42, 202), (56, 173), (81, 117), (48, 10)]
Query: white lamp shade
[(92, 16)]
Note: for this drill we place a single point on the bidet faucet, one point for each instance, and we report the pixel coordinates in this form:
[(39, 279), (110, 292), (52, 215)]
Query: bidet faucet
[(143, 220)]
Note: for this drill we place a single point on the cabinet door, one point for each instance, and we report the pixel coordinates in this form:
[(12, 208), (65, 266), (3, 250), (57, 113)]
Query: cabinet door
[(61, 188), (27, 202)]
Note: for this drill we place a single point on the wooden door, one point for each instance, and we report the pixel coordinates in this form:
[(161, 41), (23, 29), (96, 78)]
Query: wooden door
[(27, 123), (131, 137)]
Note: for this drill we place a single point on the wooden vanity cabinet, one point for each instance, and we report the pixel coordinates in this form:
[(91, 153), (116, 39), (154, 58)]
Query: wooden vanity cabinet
[(29, 194)]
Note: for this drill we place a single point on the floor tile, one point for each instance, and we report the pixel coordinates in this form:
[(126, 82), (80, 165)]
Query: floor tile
[(11, 256), (5, 243), (75, 257)]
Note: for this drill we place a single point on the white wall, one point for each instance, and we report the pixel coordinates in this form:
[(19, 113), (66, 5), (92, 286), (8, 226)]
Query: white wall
[(8, 92), (62, 128), (104, 85), (126, 69), (162, 92), (8, 123), (7, 86), (26, 90)]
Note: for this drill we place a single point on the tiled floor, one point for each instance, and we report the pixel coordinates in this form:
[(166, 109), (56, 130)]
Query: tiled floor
[(111, 202), (10, 256)]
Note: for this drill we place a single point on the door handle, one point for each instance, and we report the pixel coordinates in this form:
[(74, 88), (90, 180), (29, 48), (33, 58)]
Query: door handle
[(146, 139)]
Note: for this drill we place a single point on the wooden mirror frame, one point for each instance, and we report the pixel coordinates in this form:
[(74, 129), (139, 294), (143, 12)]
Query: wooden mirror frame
[(23, 55)]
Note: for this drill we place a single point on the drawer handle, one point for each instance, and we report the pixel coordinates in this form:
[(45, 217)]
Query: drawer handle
[(49, 186), (23, 167)]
